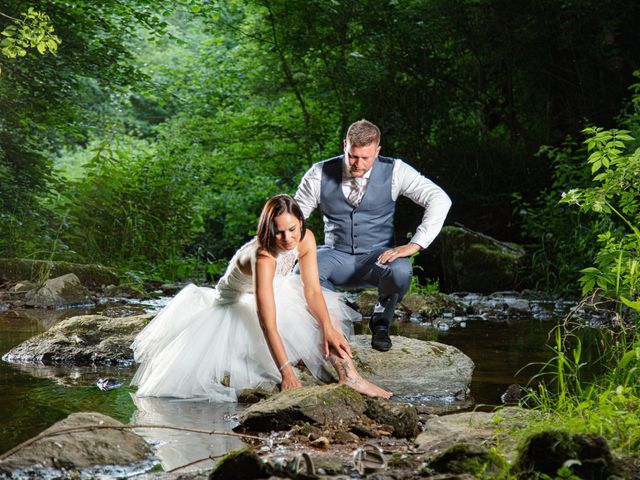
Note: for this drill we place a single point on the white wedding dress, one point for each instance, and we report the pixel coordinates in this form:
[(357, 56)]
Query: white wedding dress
[(206, 336)]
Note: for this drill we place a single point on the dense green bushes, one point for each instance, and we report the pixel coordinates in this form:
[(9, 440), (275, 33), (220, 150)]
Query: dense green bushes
[(592, 383), (597, 244)]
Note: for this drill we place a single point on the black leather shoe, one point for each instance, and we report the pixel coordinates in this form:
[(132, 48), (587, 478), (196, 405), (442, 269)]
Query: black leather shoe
[(380, 340)]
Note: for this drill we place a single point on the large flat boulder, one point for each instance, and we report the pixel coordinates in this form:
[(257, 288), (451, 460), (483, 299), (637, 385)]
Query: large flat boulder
[(415, 367), (78, 449), (91, 275), (475, 262), (82, 340)]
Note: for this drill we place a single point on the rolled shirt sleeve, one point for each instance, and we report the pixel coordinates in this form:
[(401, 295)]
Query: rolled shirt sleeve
[(407, 181)]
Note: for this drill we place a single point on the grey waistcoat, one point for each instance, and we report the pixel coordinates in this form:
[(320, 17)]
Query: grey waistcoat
[(366, 227)]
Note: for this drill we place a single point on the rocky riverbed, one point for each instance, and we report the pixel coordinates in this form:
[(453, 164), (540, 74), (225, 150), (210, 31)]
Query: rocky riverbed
[(329, 422)]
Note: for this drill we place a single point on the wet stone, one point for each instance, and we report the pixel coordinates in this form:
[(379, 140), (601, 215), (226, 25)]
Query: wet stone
[(77, 449)]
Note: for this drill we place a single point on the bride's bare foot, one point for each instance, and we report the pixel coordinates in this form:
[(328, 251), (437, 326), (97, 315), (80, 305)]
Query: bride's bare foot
[(348, 375), (366, 388)]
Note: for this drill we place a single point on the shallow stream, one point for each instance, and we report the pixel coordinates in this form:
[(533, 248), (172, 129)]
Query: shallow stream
[(34, 397)]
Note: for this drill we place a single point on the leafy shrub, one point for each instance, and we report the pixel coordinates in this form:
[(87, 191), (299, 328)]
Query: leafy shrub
[(132, 206)]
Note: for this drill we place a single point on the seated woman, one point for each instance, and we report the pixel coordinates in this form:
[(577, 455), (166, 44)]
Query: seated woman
[(259, 321)]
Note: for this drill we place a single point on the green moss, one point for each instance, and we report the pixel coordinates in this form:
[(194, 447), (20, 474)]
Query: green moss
[(466, 458)]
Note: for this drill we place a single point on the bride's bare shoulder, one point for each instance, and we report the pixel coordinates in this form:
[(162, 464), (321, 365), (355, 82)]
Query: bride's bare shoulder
[(307, 243)]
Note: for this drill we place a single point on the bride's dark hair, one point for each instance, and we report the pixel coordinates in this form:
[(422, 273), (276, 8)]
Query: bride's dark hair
[(275, 207)]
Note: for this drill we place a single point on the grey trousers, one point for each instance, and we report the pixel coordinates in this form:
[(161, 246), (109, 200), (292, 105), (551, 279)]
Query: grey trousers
[(340, 269)]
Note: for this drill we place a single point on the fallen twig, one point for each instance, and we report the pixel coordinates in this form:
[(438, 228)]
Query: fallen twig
[(210, 457)]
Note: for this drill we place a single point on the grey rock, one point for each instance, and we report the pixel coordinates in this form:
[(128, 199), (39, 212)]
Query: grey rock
[(476, 428), (414, 367), (103, 446), (125, 290), (365, 301), (82, 340), (474, 262), (328, 405), (60, 291)]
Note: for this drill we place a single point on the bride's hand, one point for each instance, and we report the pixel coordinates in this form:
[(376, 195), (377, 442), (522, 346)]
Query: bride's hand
[(335, 340), (289, 379)]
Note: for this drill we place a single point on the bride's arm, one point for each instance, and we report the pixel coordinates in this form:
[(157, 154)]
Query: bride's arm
[(266, 306), (308, 264)]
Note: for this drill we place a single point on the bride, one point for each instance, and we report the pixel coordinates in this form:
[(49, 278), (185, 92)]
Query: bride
[(259, 321)]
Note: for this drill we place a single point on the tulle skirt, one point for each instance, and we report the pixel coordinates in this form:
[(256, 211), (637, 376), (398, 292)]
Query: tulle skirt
[(201, 346)]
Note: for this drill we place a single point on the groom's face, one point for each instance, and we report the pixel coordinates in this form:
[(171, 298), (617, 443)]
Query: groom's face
[(360, 158)]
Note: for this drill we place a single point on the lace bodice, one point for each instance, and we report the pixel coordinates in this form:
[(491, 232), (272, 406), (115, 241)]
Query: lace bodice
[(234, 282)]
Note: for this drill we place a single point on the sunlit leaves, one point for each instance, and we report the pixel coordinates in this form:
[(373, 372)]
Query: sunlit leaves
[(33, 30)]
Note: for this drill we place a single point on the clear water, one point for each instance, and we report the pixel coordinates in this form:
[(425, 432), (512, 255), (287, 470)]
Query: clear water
[(34, 397)]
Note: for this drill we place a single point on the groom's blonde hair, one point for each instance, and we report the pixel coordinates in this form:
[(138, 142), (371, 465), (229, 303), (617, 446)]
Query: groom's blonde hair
[(363, 133)]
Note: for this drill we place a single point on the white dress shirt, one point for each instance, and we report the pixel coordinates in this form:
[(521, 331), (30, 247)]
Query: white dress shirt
[(406, 181)]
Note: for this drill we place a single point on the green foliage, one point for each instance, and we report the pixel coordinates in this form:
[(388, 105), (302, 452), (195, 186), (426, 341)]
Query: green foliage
[(432, 285), (606, 403), (243, 96), (603, 232), (134, 204), (607, 400), (614, 195), (33, 30), (562, 237), (42, 105)]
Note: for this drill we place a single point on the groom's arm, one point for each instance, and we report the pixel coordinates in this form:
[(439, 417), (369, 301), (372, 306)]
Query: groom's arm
[(308, 194), (424, 192)]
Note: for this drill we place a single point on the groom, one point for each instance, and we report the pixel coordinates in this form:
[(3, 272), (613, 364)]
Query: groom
[(357, 194)]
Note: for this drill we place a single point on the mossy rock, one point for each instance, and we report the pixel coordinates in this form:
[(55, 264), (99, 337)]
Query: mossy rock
[(468, 458), (546, 453), (431, 304), (240, 465), (474, 262), (317, 405), (366, 301), (18, 269)]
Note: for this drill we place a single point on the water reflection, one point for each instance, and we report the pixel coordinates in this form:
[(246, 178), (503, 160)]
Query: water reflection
[(75, 376), (177, 448)]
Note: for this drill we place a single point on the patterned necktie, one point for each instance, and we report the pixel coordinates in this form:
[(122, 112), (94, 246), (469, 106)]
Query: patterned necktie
[(357, 191)]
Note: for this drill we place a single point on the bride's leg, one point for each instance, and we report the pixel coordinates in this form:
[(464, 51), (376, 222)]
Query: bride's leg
[(348, 375)]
